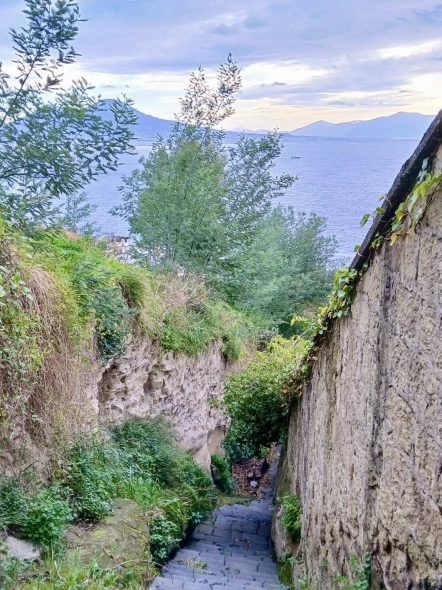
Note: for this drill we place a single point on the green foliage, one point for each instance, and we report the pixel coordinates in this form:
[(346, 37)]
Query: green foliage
[(138, 460), (90, 471), (164, 535), (176, 201), (191, 330), (291, 516), (76, 214), (50, 149), (287, 268), (41, 514), (47, 515), (69, 573), (361, 575), (94, 281), (117, 297), (149, 447), (225, 480), (13, 503), (20, 355), (257, 399)]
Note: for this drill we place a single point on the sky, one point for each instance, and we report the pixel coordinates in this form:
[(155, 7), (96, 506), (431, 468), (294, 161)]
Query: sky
[(301, 60)]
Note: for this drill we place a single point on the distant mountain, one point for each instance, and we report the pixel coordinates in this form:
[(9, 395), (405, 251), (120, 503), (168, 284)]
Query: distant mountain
[(398, 126), (148, 127)]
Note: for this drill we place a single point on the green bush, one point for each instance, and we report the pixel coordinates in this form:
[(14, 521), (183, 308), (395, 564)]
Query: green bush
[(149, 447), (225, 483), (291, 516), (164, 536), (47, 516), (40, 514), (90, 471), (257, 400)]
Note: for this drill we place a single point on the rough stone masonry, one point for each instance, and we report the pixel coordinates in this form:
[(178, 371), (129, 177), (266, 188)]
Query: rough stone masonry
[(364, 452)]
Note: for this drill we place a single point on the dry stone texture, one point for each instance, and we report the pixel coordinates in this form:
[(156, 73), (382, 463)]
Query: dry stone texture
[(365, 444), (148, 381)]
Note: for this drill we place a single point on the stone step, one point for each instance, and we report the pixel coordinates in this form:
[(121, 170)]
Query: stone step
[(227, 550), (245, 571), (230, 549)]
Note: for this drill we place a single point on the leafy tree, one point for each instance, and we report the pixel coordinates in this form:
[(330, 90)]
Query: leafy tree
[(175, 203), (194, 202), (76, 215), (50, 149), (199, 205), (288, 268)]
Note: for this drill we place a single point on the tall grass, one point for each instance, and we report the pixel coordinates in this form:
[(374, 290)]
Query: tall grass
[(138, 460)]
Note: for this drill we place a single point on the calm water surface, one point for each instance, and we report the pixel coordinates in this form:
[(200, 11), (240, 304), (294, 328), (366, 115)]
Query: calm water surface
[(339, 180)]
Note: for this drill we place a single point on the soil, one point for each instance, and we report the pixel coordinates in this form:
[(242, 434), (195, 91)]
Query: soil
[(253, 477)]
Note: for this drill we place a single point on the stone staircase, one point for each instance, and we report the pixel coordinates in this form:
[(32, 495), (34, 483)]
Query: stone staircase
[(232, 548)]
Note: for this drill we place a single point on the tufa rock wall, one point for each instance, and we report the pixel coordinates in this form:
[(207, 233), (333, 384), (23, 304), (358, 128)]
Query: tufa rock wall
[(364, 452), (148, 381)]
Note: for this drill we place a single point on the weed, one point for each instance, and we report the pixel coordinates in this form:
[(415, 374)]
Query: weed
[(291, 516), (224, 479), (361, 575)]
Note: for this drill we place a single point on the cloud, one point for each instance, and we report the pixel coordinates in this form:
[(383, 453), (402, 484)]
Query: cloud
[(254, 22), (224, 29), (304, 57)]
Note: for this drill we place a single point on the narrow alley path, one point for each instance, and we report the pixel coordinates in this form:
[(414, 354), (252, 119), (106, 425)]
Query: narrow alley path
[(231, 548)]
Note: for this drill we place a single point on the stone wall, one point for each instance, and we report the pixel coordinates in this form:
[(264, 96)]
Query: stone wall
[(364, 452), (148, 381)]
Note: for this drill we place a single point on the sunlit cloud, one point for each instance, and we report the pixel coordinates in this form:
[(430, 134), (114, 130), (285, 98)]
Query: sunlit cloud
[(285, 72), (403, 51), (301, 61)]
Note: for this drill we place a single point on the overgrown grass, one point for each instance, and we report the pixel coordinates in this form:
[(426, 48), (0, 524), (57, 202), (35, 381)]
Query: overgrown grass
[(139, 460), (69, 573), (117, 298)]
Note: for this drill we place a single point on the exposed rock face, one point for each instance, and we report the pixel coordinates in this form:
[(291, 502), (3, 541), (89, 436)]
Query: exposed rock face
[(364, 452), (148, 381), (19, 549)]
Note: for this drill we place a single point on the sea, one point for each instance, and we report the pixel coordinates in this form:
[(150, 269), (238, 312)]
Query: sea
[(340, 180)]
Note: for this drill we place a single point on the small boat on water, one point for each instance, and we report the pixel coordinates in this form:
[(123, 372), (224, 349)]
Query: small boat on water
[(295, 157)]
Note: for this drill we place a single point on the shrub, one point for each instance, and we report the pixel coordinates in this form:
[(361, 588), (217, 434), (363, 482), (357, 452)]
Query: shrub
[(225, 480), (164, 536), (149, 447), (90, 471), (40, 514), (47, 515), (291, 516), (256, 399)]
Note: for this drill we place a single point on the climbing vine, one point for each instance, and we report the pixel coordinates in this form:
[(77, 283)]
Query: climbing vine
[(407, 216)]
